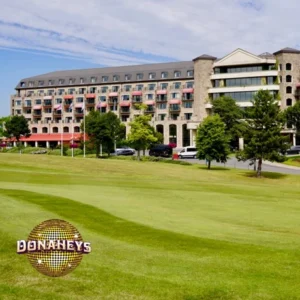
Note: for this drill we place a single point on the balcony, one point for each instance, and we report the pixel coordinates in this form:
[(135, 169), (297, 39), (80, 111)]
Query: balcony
[(125, 110), (113, 100), (27, 105), (188, 97), (174, 108), (90, 102), (160, 99), (78, 113), (37, 114), (137, 99), (150, 109), (47, 103)]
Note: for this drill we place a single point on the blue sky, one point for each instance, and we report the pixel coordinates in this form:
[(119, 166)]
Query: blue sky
[(42, 36)]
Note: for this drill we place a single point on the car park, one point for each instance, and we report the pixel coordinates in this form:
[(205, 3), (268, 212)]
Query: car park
[(124, 151), (161, 150), (188, 152), (293, 150)]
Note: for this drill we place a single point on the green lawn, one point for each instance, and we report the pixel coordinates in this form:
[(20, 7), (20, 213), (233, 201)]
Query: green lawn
[(157, 230), (293, 161)]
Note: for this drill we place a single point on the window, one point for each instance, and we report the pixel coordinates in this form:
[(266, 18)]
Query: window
[(288, 102), (125, 97), (104, 89), (188, 104), (149, 97), (38, 101), (288, 67), (81, 91), (61, 81), (288, 89), (162, 106), (127, 77), (164, 74), (115, 77), (41, 83), (163, 86), (151, 75), (102, 98), (188, 116), (177, 85), (79, 100), (18, 103), (139, 76), (177, 74), (104, 78), (161, 117), (71, 80), (50, 82), (288, 78), (190, 73), (61, 92), (58, 101), (31, 83), (71, 91), (23, 84), (127, 88), (115, 88), (50, 92), (280, 67), (151, 87), (175, 95), (81, 80), (190, 84), (139, 87)]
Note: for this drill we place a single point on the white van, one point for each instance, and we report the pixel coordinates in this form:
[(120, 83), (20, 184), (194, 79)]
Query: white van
[(190, 152)]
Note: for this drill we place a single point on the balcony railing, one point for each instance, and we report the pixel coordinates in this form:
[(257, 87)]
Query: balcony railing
[(125, 111), (174, 108), (113, 100), (137, 99), (161, 99), (150, 110), (47, 103), (187, 98)]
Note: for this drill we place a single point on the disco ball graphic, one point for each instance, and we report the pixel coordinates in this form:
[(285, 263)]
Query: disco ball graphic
[(55, 262)]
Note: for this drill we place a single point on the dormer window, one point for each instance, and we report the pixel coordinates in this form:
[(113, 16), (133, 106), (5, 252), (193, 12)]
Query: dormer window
[(127, 77), (50, 82), (22, 84), (115, 78), (61, 81), (104, 78), (177, 74), (93, 79), (139, 76), (71, 80), (151, 75), (190, 73), (41, 83), (81, 80), (31, 83), (164, 74)]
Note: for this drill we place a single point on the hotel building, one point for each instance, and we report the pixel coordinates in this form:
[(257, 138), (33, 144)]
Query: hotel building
[(178, 95)]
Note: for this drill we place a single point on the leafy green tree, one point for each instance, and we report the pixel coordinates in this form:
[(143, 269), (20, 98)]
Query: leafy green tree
[(231, 114), (212, 142), (292, 115), (141, 135), (103, 129), (15, 127), (264, 131), (3, 120)]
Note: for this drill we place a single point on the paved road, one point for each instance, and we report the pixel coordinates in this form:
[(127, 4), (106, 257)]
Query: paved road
[(267, 166)]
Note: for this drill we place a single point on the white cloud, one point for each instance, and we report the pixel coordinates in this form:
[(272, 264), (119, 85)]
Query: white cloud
[(117, 32)]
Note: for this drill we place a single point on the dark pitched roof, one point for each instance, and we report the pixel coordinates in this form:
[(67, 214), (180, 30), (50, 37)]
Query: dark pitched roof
[(98, 73), (266, 55), (205, 57), (287, 50)]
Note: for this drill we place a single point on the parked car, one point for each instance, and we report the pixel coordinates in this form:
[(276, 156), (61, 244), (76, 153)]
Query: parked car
[(293, 150), (124, 151), (188, 152), (161, 150)]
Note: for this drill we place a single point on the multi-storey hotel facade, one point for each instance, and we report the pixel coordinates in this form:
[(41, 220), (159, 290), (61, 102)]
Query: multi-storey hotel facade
[(178, 95)]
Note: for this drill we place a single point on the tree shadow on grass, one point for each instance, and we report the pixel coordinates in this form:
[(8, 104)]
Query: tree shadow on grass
[(269, 175), (214, 168)]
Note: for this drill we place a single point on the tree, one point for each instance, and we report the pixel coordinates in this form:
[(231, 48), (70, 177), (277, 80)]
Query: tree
[(15, 127), (103, 129), (292, 115), (141, 135), (3, 120), (264, 130), (212, 141), (231, 114)]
